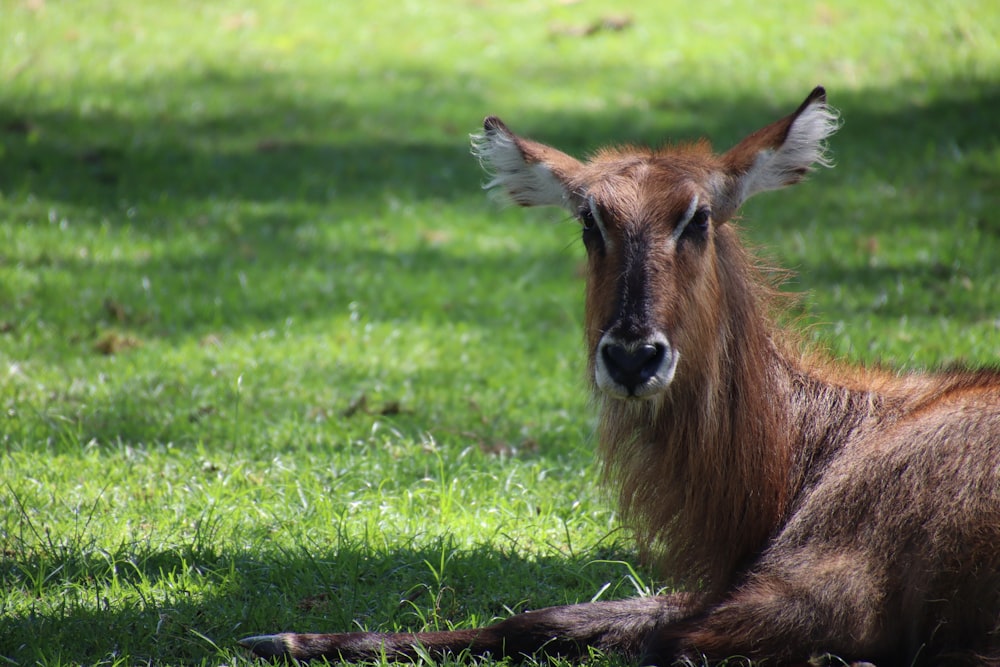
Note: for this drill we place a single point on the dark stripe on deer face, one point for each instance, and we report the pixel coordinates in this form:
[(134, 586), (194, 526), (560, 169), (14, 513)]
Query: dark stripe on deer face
[(634, 356)]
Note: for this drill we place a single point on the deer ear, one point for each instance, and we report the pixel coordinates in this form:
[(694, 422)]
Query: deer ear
[(530, 173), (782, 153)]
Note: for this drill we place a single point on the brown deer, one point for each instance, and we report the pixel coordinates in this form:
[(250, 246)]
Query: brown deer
[(809, 508)]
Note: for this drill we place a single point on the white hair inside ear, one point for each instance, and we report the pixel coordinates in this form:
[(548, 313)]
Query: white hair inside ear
[(803, 149), (511, 175)]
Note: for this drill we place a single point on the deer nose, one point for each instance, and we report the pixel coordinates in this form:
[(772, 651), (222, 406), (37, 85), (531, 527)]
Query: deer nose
[(633, 365)]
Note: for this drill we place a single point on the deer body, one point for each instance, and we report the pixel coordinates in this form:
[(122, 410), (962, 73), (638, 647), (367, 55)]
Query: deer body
[(810, 508)]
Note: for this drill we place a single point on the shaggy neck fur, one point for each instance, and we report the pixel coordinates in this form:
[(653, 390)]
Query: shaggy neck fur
[(704, 472)]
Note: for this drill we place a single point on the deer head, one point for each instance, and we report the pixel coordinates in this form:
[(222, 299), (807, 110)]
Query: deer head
[(654, 223)]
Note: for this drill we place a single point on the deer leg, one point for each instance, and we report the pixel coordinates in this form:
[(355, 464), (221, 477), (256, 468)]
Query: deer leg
[(621, 626), (784, 619)]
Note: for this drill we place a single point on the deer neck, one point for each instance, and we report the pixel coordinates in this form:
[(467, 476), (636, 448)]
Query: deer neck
[(704, 474)]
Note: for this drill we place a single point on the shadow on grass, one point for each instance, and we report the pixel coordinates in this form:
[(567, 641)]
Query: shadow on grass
[(267, 273), (188, 604), (281, 146), (292, 166), (176, 170)]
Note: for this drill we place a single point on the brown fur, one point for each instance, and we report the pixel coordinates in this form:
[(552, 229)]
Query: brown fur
[(810, 507), (702, 533)]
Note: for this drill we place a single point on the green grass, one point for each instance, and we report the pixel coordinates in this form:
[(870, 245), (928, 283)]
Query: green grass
[(269, 359)]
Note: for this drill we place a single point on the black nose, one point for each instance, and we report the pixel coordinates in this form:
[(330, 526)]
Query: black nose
[(631, 366)]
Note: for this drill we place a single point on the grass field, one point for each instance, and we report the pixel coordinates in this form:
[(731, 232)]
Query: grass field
[(270, 360)]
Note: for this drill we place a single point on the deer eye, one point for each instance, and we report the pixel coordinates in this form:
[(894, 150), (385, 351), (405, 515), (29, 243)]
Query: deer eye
[(697, 227), (593, 226)]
